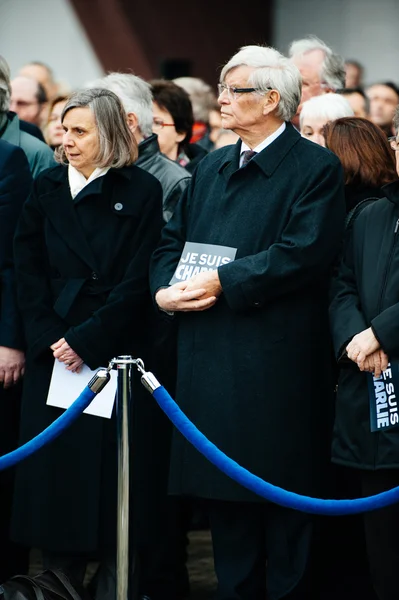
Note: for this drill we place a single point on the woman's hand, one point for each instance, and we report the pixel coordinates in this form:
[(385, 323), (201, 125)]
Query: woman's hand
[(12, 366), (376, 363), (362, 345), (64, 353)]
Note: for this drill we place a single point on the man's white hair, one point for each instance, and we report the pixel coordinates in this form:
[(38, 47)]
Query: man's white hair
[(328, 107), (272, 71), (134, 93), (332, 72)]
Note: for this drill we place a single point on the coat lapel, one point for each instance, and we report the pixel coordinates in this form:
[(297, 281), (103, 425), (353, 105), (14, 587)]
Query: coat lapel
[(231, 160), (59, 208), (268, 160)]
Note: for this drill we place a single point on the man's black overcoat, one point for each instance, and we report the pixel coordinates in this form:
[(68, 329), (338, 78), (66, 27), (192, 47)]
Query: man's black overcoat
[(82, 273), (254, 370), (15, 185)]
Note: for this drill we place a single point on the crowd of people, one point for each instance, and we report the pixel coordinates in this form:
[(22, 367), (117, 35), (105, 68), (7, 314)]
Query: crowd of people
[(243, 242)]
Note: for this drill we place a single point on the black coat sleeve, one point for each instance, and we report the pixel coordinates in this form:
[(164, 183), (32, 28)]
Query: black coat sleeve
[(167, 255), (42, 325), (386, 330), (99, 338), (15, 184), (346, 317), (306, 249)]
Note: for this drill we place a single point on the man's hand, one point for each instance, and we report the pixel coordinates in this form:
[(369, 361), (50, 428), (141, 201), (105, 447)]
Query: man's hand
[(12, 366), (362, 345), (375, 363), (64, 353), (177, 298), (207, 280)]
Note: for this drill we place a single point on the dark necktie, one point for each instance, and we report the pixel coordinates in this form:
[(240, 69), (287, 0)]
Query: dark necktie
[(247, 154)]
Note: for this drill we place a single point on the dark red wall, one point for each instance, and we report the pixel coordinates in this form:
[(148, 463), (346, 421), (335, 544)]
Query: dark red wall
[(142, 35)]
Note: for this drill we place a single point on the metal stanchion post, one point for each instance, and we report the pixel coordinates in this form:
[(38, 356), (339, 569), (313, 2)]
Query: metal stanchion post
[(124, 562)]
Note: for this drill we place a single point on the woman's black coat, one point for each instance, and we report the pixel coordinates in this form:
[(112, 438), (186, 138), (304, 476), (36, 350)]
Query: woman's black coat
[(365, 293), (82, 274)]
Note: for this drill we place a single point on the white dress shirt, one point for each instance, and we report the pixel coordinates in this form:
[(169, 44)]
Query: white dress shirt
[(266, 142), (77, 181)]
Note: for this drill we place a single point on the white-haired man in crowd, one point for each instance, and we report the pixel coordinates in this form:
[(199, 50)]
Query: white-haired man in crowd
[(243, 266), (318, 111), (136, 97), (321, 69)]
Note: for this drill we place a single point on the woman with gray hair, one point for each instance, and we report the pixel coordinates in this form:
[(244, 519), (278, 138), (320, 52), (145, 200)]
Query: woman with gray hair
[(319, 111), (82, 251)]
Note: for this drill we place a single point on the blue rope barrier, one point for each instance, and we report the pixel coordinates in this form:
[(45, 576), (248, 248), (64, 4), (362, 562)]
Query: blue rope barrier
[(256, 484), (51, 432)]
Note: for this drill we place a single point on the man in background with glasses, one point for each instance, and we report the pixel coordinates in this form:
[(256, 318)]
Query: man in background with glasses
[(243, 268), (322, 70), (29, 100)]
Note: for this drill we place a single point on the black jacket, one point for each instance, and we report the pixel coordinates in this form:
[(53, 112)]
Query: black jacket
[(32, 129), (173, 178), (365, 293), (195, 153), (82, 274), (15, 184), (254, 370), (355, 194)]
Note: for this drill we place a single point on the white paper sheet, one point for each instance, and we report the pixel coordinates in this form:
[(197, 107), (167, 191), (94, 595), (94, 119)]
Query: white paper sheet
[(66, 386)]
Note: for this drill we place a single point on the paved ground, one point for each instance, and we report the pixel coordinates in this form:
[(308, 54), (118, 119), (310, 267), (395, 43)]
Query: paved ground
[(200, 565)]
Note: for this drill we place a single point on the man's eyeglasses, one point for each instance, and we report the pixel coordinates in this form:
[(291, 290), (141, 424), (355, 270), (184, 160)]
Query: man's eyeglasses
[(159, 124), (394, 143), (23, 103), (233, 92)]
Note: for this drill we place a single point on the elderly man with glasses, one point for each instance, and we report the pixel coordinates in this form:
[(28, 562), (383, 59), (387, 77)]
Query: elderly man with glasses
[(322, 70), (243, 268), (29, 100)]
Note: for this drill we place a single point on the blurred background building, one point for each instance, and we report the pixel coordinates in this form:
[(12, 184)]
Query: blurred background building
[(83, 39)]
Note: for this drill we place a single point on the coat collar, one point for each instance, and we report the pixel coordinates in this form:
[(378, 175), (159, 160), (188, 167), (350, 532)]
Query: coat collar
[(60, 210), (269, 159), (147, 149), (60, 173), (391, 191), (12, 133)]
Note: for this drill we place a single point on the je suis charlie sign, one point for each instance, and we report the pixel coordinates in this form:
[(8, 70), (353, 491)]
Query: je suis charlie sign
[(197, 258), (383, 396)]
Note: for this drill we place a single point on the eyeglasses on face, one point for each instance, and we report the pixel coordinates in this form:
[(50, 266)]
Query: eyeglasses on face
[(234, 92), (23, 103), (159, 124), (394, 143)]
